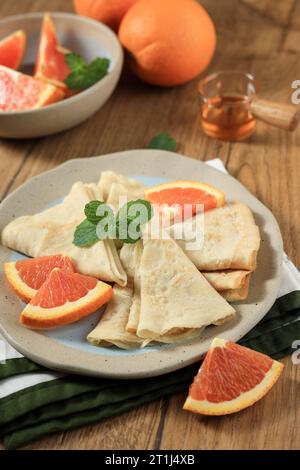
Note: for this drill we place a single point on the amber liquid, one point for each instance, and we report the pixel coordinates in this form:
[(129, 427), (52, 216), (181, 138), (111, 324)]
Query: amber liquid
[(227, 118)]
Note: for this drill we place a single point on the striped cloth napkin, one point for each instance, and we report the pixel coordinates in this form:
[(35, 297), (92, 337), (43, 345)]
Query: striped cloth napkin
[(35, 401)]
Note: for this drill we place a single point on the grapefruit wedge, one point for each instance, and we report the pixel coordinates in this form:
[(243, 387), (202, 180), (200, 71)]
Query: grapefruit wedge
[(65, 298), (51, 66), (19, 92), (179, 193), (230, 379), (27, 276), (12, 49)]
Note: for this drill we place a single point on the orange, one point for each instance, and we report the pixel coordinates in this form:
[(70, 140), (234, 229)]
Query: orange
[(51, 65), (21, 92), (64, 298), (230, 379), (12, 49), (179, 193), (109, 12), (169, 42), (27, 276)]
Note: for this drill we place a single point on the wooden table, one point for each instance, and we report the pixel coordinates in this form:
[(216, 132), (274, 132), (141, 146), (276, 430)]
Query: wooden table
[(262, 37)]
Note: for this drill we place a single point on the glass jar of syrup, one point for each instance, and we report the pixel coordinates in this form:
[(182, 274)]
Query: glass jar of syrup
[(226, 99)]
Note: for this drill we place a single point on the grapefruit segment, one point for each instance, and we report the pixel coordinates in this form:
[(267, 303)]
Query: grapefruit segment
[(179, 193), (65, 298), (230, 379), (27, 276), (51, 66), (21, 92), (12, 49)]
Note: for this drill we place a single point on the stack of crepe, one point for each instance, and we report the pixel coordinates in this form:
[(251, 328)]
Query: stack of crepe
[(164, 291), (229, 250), (167, 299)]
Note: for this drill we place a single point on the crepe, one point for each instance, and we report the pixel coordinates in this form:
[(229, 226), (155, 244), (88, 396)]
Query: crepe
[(231, 239), (119, 195), (112, 184), (226, 280), (134, 313), (175, 296), (52, 231), (111, 330), (235, 295), (130, 256)]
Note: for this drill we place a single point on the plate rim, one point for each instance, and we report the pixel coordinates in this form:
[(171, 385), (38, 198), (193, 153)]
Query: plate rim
[(160, 369)]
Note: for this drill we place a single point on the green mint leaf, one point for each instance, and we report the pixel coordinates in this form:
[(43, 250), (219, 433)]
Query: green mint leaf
[(163, 141), (85, 234), (99, 66), (75, 62), (130, 219), (91, 209), (85, 75)]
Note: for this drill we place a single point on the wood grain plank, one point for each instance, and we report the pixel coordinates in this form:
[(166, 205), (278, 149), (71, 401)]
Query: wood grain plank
[(133, 430)]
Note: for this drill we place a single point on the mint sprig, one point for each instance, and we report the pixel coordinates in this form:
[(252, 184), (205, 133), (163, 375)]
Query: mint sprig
[(84, 75), (163, 141), (85, 234), (101, 223)]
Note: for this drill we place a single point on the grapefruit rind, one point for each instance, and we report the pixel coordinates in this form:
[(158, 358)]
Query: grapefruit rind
[(18, 286), (50, 95), (244, 400), (15, 45), (219, 195), (42, 318), (24, 86), (48, 35), (24, 291)]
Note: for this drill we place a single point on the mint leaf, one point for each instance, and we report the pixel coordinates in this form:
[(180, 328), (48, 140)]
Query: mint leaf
[(101, 222), (163, 141), (130, 219), (85, 234), (84, 75), (75, 62), (91, 209)]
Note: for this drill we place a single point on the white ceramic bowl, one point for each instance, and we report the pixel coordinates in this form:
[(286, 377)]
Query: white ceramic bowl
[(84, 36)]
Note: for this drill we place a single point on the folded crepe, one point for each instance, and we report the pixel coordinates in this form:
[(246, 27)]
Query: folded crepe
[(235, 295), (112, 185), (52, 231), (175, 297), (119, 195), (111, 329), (227, 280), (231, 239)]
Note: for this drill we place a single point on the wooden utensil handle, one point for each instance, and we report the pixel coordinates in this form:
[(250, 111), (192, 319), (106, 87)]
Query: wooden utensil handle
[(284, 116)]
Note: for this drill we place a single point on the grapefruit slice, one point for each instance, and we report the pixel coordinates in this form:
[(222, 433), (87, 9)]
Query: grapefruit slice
[(12, 49), (21, 92), (65, 298), (230, 379), (27, 276), (51, 66), (179, 193)]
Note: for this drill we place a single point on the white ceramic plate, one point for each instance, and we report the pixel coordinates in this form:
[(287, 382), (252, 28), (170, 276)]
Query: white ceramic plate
[(66, 348)]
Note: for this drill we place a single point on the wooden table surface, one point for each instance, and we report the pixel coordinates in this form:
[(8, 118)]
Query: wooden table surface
[(259, 36)]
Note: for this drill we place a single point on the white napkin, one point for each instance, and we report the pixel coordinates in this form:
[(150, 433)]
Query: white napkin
[(290, 282)]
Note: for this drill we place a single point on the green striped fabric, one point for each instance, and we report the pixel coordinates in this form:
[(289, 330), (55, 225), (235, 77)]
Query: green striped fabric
[(72, 401)]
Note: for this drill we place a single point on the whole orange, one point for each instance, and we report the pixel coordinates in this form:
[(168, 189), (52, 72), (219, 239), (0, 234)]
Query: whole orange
[(170, 41), (109, 12)]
